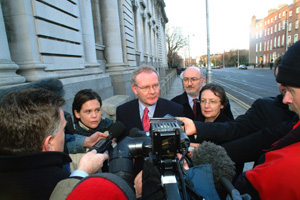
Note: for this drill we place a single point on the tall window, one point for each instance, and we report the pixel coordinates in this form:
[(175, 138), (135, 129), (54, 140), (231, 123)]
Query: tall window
[(271, 30), (290, 26), (290, 13), (295, 38), (283, 25), (275, 17), (279, 26), (275, 28), (265, 32), (282, 40), (268, 42), (268, 31), (289, 40), (279, 15), (271, 45), (297, 24), (297, 10), (275, 43), (260, 46), (283, 14), (265, 45), (260, 33), (272, 20), (278, 41), (256, 47)]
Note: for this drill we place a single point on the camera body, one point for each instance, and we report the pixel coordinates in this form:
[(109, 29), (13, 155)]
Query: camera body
[(166, 139)]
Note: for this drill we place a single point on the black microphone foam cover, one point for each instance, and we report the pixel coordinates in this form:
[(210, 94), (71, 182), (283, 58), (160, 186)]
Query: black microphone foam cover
[(133, 132), (216, 155), (51, 84), (117, 129)]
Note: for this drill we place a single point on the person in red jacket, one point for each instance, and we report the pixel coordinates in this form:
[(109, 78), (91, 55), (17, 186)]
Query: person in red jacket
[(276, 176)]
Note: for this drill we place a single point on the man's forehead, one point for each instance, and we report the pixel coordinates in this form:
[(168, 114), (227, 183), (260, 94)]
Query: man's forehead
[(192, 72)]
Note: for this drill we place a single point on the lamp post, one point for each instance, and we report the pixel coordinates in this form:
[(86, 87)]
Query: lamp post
[(286, 32), (209, 72)]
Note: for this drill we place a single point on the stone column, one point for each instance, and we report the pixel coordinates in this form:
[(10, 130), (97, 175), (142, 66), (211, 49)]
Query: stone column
[(8, 68), (23, 43), (86, 17), (112, 35)]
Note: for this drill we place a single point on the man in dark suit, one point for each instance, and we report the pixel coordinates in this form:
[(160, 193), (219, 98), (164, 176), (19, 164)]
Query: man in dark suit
[(145, 84)]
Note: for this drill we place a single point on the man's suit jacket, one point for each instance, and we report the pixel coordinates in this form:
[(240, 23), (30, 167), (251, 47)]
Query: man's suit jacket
[(188, 112), (129, 114)]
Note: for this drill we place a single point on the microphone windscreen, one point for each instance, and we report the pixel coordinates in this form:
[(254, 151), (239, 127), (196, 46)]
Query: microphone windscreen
[(216, 155), (117, 129), (51, 84), (133, 132)]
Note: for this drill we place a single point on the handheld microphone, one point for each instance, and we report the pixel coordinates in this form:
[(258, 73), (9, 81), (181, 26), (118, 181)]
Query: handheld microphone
[(222, 165), (104, 144)]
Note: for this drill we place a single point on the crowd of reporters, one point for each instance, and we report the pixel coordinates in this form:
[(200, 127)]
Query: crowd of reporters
[(35, 153)]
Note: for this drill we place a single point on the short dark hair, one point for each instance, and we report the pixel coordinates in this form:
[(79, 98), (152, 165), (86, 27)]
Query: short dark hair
[(27, 118), (81, 97), (140, 69), (218, 90)]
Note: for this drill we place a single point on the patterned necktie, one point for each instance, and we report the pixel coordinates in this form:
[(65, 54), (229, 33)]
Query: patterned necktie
[(146, 122), (195, 107)]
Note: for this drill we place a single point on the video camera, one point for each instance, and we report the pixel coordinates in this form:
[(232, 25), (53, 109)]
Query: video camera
[(165, 141)]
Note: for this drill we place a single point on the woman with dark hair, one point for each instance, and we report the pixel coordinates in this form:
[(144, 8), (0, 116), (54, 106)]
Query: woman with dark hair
[(87, 113), (213, 100)]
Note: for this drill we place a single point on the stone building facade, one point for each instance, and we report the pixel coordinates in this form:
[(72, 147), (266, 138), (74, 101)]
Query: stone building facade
[(84, 43), (271, 36)]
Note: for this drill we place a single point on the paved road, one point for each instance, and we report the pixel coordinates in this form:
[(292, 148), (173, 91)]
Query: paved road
[(246, 85)]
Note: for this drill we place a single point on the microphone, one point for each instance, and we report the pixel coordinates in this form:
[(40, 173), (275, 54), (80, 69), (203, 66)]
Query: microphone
[(136, 132), (51, 84), (216, 155), (104, 144)]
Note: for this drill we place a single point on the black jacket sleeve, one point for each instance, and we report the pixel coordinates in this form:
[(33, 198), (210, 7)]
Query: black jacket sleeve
[(251, 147)]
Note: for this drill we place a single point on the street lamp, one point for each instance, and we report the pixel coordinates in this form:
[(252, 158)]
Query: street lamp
[(209, 72)]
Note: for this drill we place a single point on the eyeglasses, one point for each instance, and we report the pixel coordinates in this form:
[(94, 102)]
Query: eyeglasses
[(211, 102), (193, 79), (147, 88)]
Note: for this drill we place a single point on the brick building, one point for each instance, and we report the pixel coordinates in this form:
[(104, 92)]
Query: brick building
[(271, 36)]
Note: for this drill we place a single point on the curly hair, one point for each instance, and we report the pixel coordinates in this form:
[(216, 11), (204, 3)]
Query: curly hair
[(27, 118)]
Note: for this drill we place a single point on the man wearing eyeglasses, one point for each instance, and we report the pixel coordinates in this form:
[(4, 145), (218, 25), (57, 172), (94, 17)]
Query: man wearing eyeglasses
[(136, 113)]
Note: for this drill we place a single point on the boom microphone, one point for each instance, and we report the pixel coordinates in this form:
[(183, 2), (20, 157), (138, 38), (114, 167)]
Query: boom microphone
[(51, 84), (104, 144), (222, 165)]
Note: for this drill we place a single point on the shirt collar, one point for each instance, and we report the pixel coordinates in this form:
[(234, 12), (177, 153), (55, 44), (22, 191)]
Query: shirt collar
[(150, 108)]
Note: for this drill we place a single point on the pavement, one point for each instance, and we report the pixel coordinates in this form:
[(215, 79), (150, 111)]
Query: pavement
[(237, 107)]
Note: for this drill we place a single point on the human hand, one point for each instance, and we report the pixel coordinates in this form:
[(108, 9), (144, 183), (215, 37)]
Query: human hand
[(193, 147), (90, 141), (92, 161), (138, 183), (190, 128), (185, 164)]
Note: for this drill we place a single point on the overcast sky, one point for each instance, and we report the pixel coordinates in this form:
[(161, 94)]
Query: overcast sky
[(229, 22)]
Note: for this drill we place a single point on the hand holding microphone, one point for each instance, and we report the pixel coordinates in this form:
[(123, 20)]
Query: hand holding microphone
[(116, 130)]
